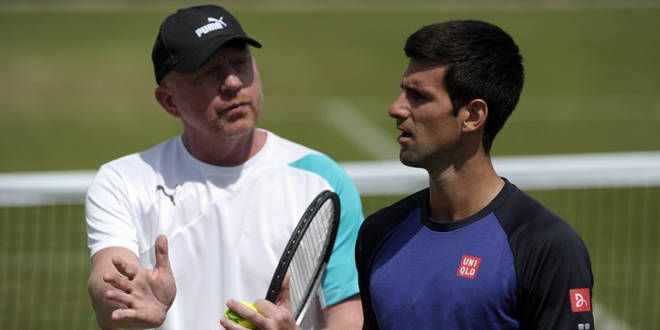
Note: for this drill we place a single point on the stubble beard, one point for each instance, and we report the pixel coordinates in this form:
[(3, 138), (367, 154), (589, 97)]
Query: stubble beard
[(408, 158), (238, 126)]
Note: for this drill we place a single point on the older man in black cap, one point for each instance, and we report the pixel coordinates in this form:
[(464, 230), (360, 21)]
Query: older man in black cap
[(219, 201)]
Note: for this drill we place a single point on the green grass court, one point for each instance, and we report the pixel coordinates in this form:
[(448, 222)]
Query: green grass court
[(78, 91), (78, 85)]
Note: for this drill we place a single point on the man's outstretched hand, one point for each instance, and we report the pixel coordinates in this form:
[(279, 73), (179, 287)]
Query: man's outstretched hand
[(146, 293)]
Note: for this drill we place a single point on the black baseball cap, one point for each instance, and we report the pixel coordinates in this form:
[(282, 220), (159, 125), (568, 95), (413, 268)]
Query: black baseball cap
[(187, 38)]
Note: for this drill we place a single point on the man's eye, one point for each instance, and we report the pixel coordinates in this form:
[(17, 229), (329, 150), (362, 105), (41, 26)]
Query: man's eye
[(205, 76), (241, 65), (415, 95)]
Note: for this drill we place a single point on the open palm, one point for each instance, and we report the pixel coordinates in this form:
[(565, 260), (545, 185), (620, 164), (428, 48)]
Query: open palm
[(146, 293)]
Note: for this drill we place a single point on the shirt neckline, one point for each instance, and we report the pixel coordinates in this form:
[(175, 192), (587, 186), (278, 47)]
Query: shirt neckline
[(215, 170), (453, 225)]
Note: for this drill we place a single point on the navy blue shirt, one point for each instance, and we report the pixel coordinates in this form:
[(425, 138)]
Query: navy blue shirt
[(513, 265)]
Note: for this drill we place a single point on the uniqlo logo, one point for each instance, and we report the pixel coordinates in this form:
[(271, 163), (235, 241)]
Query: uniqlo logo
[(468, 267), (580, 300)]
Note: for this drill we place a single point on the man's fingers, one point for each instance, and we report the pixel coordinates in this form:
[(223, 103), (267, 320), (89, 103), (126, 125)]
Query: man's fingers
[(272, 314), (162, 255), (241, 309), (120, 297), (118, 281), (138, 315), (246, 312), (122, 314), (124, 267), (230, 325)]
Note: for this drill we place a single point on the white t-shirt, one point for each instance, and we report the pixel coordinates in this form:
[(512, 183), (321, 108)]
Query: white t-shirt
[(226, 226)]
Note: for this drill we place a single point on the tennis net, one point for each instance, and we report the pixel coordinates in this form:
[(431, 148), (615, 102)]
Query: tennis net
[(610, 199)]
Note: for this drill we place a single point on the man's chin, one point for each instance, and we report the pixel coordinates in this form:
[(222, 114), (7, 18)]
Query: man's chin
[(408, 159), (237, 130)]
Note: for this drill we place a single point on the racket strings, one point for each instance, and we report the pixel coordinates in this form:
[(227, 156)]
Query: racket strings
[(308, 259)]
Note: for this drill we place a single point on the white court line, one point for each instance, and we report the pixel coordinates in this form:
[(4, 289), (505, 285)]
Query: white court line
[(360, 130)]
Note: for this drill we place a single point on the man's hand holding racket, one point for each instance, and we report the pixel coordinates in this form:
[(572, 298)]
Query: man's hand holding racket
[(299, 270), (146, 293), (270, 316)]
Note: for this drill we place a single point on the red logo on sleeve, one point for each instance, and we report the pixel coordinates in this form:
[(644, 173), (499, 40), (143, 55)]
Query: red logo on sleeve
[(468, 267), (580, 300)]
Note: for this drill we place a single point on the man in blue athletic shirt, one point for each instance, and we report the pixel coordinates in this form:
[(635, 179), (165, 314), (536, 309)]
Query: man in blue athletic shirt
[(471, 251)]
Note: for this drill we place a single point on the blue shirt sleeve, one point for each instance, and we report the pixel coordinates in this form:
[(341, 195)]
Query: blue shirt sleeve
[(340, 280)]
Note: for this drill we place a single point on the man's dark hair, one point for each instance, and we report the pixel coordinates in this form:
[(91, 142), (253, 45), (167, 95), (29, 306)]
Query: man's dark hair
[(481, 61)]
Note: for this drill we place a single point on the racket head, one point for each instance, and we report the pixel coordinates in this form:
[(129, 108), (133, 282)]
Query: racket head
[(314, 238)]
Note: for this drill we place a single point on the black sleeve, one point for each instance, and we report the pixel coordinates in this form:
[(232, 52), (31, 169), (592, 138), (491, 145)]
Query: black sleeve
[(373, 231), (362, 253), (553, 267)]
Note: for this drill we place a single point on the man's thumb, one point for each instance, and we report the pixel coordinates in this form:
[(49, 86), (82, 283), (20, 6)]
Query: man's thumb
[(284, 298), (162, 256)]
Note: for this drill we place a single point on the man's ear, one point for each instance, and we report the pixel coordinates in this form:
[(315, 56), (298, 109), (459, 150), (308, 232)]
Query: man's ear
[(165, 96), (477, 112)]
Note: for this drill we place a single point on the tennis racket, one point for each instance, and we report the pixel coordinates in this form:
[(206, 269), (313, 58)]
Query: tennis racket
[(307, 252)]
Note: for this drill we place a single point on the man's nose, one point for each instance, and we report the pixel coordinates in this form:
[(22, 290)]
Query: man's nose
[(399, 108), (231, 84)]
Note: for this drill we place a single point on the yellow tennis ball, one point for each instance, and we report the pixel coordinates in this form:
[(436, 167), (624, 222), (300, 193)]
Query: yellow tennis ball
[(230, 315)]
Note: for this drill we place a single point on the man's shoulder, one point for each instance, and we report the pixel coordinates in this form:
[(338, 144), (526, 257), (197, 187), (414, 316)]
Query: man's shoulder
[(305, 158), (527, 222), (140, 166), (379, 225), (288, 150), (147, 156), (386, 218)]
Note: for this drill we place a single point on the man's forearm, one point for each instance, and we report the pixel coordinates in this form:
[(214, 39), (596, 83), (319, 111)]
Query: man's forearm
[(97, 287), (345, 315), (102, 306)]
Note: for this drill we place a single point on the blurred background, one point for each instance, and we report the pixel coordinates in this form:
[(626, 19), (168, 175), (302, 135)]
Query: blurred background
[(77, 91)]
